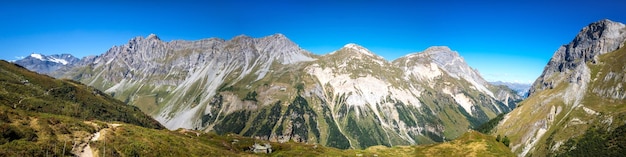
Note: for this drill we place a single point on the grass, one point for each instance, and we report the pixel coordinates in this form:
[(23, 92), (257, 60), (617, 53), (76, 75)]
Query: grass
[(30, 133), (574, 137), (26, 90), (27, 133)]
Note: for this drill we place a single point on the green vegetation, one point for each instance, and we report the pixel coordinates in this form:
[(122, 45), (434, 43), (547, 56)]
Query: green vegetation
[(365, 129), (487, 127), (26, 90), (597, 141), (233, 123), (335, 138), (585, 130), (264, 122), (471, 143), (28, 133), (41, 116), (506, 141), (251, 96), (297, 112), (45, 134)]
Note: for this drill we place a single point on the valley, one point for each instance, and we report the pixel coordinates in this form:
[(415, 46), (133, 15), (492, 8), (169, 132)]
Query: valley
[(217, 97)]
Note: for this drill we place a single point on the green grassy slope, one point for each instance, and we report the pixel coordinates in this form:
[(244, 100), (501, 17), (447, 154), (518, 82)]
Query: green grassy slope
[(26, 90), (595, 128), (30, 133)]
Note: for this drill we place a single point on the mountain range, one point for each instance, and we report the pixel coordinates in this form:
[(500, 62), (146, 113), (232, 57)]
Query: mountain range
[(43, 116), (47, 64), (271, 89)]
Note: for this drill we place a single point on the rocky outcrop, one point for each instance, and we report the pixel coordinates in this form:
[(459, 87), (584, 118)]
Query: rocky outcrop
[(579, 91), (595, 39)]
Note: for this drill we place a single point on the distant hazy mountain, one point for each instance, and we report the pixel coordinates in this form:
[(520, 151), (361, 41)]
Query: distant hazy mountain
[(46, 64), (577, 106), (270, 88), (520, 88)]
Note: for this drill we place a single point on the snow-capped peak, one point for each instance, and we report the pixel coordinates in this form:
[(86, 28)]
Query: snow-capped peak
[(52, 58), (36, 55)]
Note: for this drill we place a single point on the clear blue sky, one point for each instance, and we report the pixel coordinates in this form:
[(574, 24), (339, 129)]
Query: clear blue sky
[(504, 40)]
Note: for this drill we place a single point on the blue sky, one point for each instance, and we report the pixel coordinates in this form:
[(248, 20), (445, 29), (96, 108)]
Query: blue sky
[(504, 40)]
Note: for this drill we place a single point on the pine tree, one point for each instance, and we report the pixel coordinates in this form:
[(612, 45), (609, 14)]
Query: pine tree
[(506, 141)]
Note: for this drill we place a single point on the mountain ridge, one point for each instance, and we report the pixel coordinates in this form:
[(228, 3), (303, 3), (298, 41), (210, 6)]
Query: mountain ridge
[(576, 102), (272, 89), (46, 64)]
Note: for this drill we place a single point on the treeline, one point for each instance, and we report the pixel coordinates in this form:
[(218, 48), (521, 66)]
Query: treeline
[(597, 141), (487, 127)]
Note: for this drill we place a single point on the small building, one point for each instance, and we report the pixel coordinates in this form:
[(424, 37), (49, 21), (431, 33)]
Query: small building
[(257, 148)]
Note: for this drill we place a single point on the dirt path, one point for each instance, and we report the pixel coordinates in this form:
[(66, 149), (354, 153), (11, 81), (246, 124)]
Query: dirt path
[(87, 151)]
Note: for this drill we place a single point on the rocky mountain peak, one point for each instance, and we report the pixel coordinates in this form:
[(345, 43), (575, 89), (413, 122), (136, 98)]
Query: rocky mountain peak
[(139, 40), (600, 29), (153, 37), (449, 61), (352, 47), (242, 40), (241, 37), (442, 54), (45, 64), (278, 39), (278, 36), (439, 54), (593, 40), (437, 49), (278, 46)]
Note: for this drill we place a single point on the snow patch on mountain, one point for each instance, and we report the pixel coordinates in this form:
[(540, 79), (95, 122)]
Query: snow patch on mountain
[(46, 64), (57, 60), (38, 56)]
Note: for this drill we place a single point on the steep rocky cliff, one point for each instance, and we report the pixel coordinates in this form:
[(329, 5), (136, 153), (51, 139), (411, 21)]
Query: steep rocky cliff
[(579, 95)]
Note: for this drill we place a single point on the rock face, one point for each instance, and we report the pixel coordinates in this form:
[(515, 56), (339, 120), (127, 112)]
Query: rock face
[(578, 95), (47, 64), (272, 89), (596, 39)]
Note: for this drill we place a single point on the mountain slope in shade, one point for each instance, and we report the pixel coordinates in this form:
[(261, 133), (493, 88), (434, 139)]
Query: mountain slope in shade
[(577, 106), (272, 89), (47, 64)]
